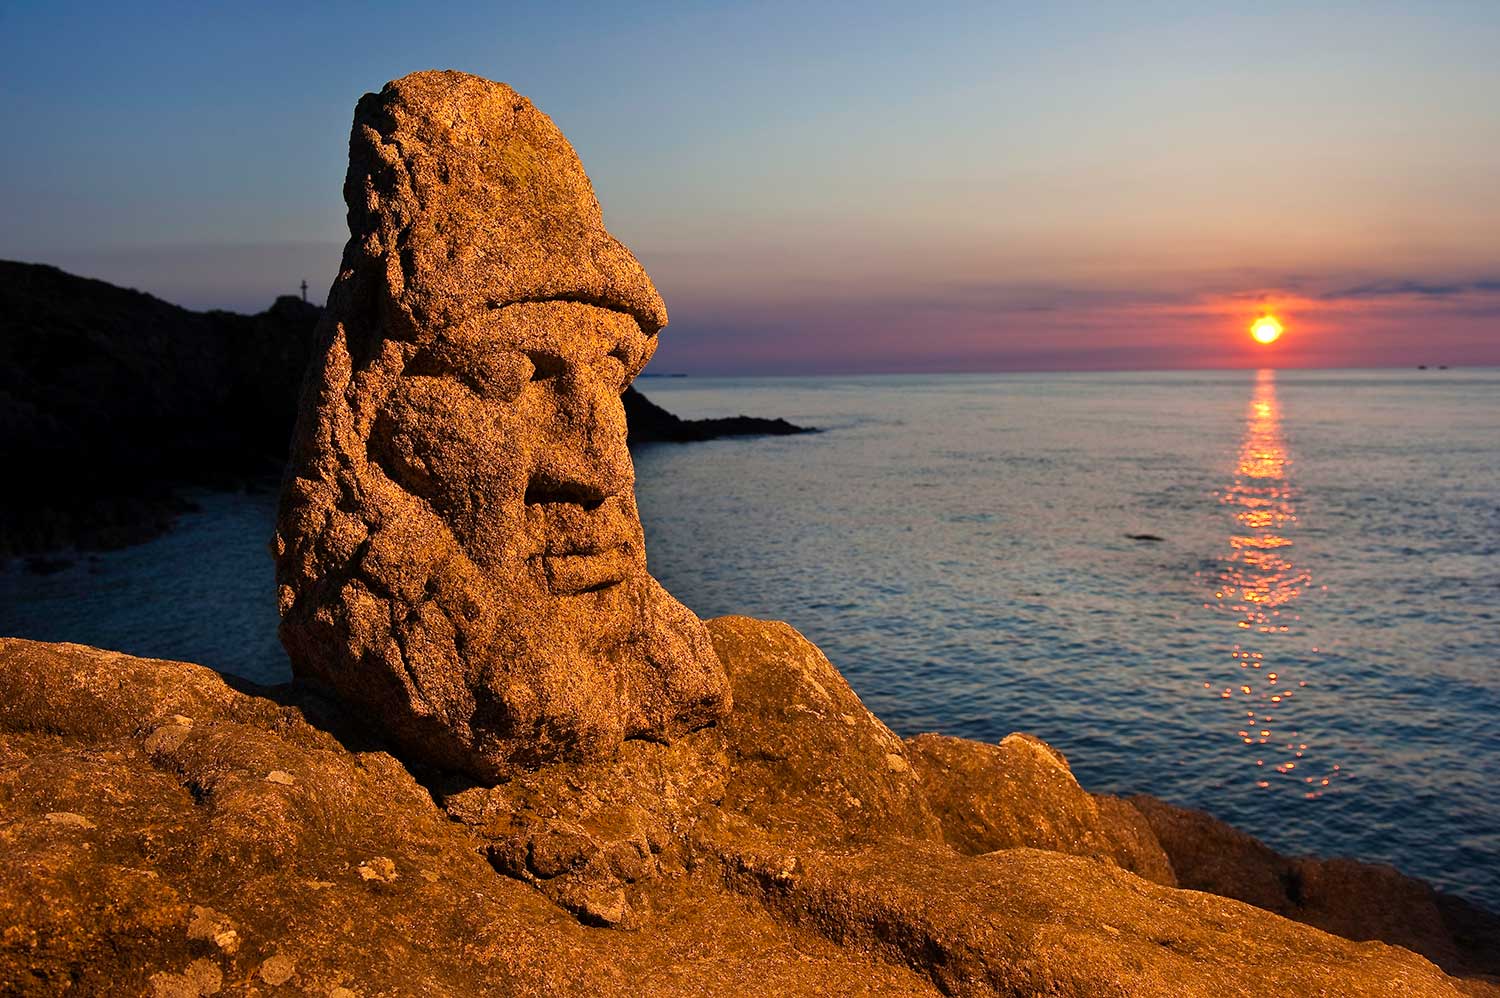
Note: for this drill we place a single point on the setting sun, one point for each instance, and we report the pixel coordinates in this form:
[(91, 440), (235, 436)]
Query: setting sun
[(1266, 329)]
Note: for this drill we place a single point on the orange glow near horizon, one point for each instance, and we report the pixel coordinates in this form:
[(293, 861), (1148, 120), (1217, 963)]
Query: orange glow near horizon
[(1267, 329)]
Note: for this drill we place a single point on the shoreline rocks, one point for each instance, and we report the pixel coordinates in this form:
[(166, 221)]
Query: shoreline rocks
[(111, 401), (649, 423), (191, 862)]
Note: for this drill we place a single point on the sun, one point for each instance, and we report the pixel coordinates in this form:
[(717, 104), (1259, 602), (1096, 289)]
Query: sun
[(1266, 329)]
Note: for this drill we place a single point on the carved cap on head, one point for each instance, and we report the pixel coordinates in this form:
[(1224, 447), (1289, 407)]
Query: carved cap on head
[(466, 198)]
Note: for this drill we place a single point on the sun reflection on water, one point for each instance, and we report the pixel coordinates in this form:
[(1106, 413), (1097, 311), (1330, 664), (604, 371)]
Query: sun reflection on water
[(1258, 586)]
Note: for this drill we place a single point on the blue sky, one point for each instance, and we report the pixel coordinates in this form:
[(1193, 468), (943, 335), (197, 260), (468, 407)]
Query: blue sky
[(833, 188)]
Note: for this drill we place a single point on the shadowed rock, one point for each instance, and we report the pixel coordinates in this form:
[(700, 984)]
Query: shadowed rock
[(458, 547), (650, 423), (110, 400)]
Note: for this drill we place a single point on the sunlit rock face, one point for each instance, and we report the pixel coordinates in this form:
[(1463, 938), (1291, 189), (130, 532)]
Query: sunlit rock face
[(458, 548)]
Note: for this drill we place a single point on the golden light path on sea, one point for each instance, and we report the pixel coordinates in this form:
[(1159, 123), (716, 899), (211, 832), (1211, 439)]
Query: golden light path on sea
[(1258, 585)]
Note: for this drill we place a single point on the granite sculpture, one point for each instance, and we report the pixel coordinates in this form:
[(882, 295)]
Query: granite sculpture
[(458, 548)]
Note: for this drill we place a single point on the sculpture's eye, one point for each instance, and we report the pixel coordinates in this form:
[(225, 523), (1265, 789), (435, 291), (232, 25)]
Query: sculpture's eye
[(495, 375), (504, 374)]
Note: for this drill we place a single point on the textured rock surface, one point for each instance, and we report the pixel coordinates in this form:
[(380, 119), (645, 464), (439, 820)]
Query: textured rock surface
[(594, 836), (458, 547), (800, 754), (1028, 922), (166, 833), (149, 851), (1353, 899), (1021, 793), (808, 756)]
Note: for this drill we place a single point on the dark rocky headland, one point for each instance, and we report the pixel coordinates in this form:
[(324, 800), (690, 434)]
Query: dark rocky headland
[(511, 763), (112, 402)]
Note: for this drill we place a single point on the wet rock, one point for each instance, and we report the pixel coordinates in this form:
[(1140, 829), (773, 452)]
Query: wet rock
[(1021, 794), (458, 547)]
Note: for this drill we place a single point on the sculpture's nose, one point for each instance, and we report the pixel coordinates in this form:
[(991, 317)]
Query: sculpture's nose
[(581, 453)]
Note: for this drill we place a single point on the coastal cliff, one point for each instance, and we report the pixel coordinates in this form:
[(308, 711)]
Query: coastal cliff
[(172, 831), (110, 400)]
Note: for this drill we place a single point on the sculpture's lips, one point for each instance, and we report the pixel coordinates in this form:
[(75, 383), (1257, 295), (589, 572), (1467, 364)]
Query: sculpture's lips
[(570, 574)]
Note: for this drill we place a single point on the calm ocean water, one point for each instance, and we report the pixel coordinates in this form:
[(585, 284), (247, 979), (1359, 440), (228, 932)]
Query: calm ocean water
[(1311, 650)]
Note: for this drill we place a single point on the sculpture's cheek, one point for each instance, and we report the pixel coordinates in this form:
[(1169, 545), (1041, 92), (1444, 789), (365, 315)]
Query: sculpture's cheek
[(439, 442)]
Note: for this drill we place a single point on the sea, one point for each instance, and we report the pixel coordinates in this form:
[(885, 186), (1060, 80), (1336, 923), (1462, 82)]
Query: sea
[(1271, 595)]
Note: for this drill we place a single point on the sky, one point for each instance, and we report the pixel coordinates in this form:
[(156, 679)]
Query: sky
[(829, 188)]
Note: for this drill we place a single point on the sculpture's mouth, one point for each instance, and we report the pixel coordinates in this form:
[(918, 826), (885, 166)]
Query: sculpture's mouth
[(571, 574), (583, 548)]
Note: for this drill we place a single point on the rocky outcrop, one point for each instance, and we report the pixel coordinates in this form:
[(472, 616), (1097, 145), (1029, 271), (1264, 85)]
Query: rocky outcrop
[(809, 759), (1021, 794), (650, 423), (112, 401), (169, 833)]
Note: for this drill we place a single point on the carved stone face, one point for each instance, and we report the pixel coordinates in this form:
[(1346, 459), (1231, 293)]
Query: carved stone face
[(458, 547), (512, 429)]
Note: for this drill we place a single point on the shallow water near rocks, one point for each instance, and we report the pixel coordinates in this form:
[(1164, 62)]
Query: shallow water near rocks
[(1308, 648)]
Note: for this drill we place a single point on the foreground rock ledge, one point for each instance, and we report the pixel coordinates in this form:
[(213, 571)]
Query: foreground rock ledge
[(170, 831)]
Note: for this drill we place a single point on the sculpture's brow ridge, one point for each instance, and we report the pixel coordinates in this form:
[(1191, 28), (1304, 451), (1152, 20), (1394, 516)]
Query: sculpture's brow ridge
[(649, 328)]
